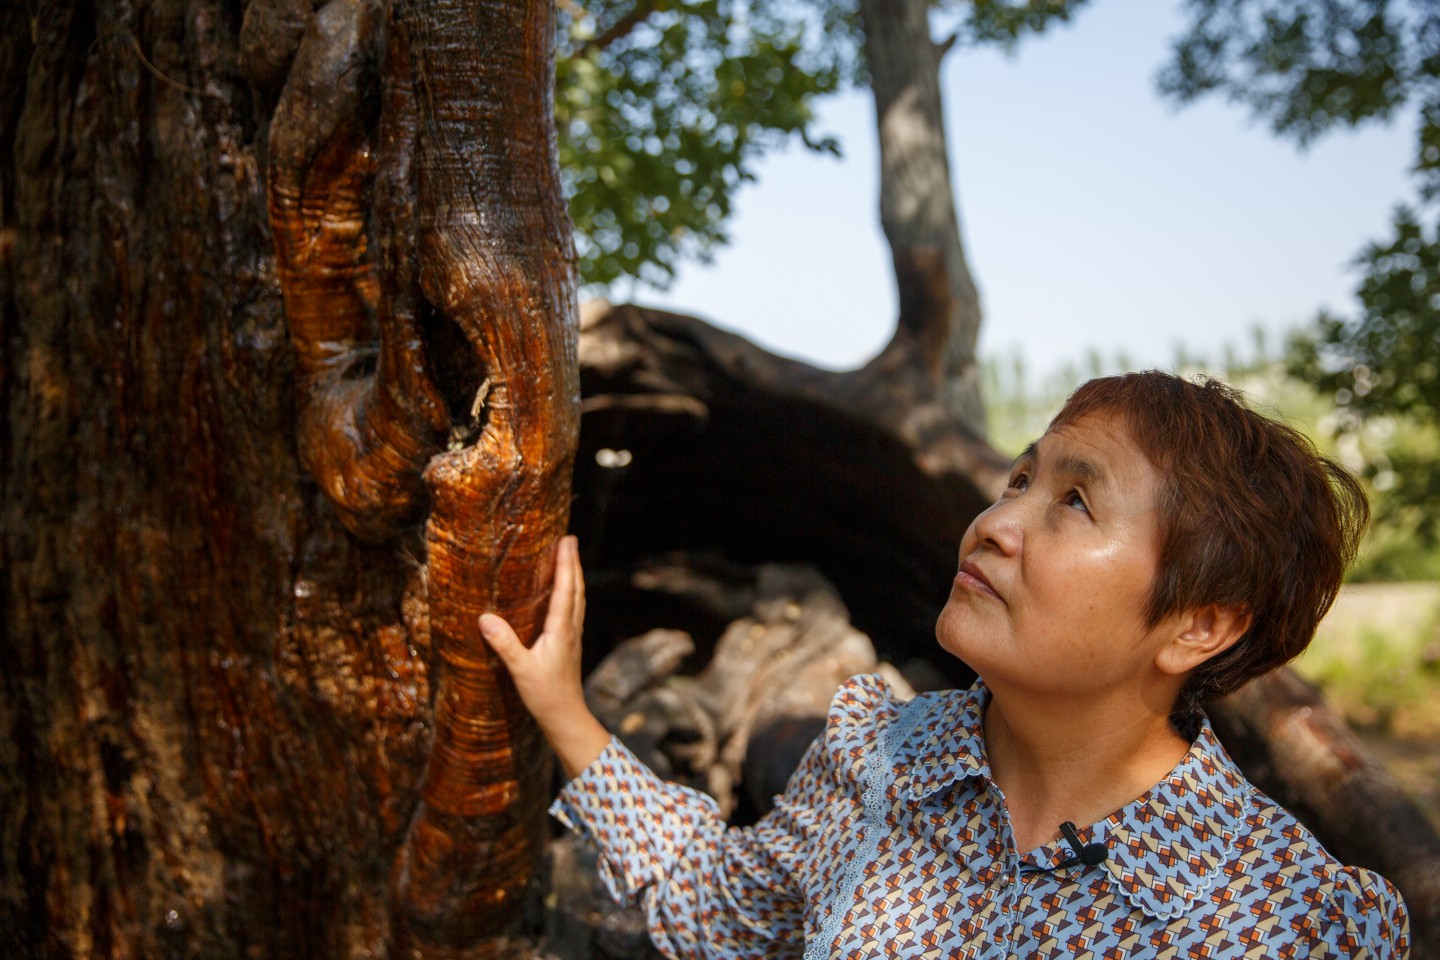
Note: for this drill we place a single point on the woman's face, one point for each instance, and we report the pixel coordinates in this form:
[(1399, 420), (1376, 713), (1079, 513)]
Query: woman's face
[(1054, 577)]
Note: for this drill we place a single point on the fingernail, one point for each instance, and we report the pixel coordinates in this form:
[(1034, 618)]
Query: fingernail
[(489, 624)]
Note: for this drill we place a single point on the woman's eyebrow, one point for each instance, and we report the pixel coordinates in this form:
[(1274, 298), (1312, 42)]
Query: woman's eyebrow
[(1085, 471)]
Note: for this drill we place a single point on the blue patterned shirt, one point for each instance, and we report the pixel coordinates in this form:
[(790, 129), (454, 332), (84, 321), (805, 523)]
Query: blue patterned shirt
[(891, 839)]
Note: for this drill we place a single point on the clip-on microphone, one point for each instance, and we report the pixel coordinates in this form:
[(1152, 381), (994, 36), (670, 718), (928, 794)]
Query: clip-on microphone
[(1089, 854)]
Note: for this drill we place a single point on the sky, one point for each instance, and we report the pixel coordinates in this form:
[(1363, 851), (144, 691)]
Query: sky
[(1096, 216)]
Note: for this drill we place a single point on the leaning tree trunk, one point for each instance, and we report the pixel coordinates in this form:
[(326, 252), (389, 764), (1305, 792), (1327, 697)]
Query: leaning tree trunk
[(291, 397), (923, 389), (939, 321)]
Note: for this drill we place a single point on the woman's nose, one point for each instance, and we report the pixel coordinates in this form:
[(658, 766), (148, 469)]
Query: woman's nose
[(1001, 525)]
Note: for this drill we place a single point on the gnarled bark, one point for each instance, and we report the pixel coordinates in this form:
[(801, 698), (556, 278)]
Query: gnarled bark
[(370, 415), (495, 258), (260, 262), (477, 243)]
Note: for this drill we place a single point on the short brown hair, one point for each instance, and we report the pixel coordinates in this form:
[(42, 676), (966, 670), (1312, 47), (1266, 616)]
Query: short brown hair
[(1251, 514)]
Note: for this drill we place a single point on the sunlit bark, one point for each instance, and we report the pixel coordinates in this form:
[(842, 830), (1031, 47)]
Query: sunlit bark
[(290, 390)]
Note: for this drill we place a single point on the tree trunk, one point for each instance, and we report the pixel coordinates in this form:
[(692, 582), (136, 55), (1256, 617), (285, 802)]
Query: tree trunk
[(291, 397), (939, 318)]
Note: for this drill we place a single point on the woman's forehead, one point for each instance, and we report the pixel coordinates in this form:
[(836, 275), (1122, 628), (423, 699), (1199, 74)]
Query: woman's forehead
[(1097, 447)]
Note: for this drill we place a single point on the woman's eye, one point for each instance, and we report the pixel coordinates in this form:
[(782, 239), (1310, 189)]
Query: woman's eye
[(1019, 481), (1073, 499)]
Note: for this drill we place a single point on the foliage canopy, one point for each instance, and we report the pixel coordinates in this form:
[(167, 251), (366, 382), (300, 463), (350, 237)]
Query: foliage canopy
[(1309, 68), (662, 106)]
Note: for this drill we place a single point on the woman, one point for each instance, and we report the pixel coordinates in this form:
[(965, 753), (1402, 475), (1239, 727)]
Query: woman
[(1160, 545)]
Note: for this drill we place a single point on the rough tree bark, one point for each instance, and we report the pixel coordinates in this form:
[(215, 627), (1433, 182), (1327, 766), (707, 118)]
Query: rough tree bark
[(291, 397)]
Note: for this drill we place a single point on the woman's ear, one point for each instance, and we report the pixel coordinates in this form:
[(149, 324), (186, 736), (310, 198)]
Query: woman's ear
[(1200, 634)]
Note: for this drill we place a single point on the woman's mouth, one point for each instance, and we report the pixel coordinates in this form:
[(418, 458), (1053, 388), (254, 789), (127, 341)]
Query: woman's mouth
[(971, 577)]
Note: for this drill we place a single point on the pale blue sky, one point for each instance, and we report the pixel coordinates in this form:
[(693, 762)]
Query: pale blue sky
[(1094, 214)]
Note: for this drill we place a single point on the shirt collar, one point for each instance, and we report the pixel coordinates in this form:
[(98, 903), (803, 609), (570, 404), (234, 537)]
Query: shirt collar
[(1169, 846), (947, 743), (1164, 849)]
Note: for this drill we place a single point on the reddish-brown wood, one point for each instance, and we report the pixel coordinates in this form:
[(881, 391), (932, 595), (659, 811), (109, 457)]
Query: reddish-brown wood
[(487, 242), (494, 257), (260, 260), (368, 424)]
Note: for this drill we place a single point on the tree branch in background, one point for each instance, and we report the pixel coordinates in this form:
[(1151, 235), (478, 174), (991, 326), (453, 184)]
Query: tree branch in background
[(939, 304), (623, 27)]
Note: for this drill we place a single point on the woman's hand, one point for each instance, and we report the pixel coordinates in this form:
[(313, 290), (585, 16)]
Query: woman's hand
[(547, 674)]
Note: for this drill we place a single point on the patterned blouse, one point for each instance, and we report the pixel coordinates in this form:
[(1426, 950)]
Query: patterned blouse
[(891, 839)]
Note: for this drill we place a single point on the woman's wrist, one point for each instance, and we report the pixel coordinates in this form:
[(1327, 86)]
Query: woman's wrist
[(577, 741)]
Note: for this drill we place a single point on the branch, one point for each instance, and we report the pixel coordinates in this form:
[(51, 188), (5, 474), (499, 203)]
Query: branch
[(495, 262), (623, 27)]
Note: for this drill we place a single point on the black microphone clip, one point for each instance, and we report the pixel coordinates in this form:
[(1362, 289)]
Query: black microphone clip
[(1089, 854)]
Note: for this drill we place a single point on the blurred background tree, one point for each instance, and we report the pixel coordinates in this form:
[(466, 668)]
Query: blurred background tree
[(663, 106), (1308, 69)]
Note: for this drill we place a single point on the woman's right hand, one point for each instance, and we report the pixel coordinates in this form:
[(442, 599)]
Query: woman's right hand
[(547, 674)]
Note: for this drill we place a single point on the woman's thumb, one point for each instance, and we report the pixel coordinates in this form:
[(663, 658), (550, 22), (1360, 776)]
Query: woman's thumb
[(498, 634)]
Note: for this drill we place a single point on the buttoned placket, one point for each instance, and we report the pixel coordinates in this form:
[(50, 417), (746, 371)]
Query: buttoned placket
[(1008, 871), (1017, 875), (1038, 869), (1013, 882)]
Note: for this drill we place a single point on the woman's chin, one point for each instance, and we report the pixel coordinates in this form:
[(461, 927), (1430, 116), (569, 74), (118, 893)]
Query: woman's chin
[(958, 631)]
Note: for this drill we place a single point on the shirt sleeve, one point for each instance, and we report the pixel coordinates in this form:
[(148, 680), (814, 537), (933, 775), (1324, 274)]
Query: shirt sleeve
[(1367, 917), (708, 890)]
